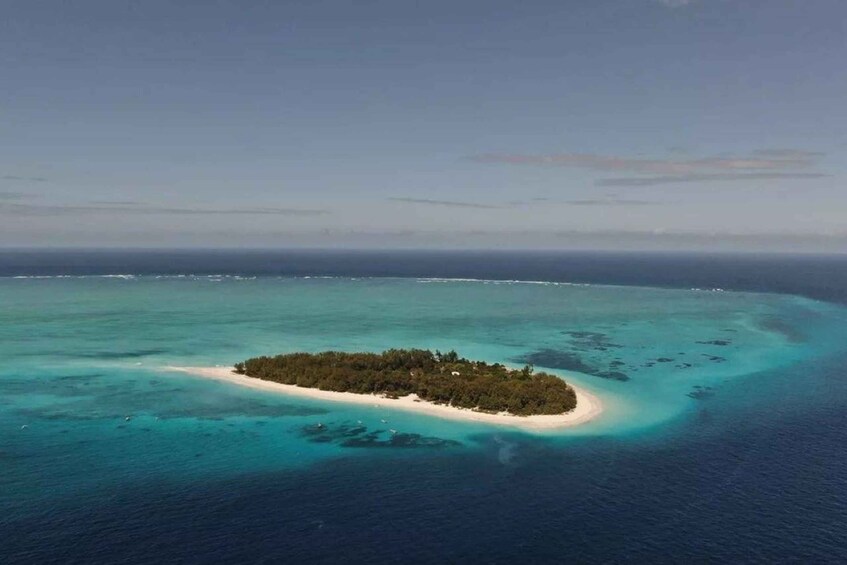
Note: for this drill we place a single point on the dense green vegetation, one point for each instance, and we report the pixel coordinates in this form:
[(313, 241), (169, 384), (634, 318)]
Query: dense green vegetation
[(443, 378)]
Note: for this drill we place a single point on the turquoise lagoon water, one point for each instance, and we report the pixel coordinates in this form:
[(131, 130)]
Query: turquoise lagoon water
[(88, 412), (81, 354)]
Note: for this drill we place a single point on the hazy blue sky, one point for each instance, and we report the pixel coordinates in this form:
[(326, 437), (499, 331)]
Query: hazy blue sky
[(619, 123)]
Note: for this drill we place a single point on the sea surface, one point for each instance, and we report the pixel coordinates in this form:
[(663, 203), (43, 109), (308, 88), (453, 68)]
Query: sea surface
[(723, 377)]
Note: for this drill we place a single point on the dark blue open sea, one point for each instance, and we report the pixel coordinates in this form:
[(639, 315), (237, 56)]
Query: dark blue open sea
[(723, 436)]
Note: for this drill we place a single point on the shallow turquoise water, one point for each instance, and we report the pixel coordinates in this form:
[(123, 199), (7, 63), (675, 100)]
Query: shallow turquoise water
[(81, 354)]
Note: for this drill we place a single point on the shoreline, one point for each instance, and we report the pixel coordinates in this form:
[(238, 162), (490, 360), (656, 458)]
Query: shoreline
[(588, 406)]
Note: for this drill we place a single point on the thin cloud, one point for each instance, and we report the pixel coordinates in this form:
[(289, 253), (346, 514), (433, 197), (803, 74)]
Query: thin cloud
[(760, 164), (530, 202), (25, 179), (611, 163), (133, 209), (447, 203), (14, 195), (715, 177), (783, 153), (610, 202), (116, 203), (675, 3)]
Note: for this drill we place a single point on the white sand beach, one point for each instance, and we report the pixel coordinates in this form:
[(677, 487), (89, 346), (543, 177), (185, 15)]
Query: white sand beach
[(588, 406)]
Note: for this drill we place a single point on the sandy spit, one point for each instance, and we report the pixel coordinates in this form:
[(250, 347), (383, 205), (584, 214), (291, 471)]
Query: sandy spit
[(588, 406)]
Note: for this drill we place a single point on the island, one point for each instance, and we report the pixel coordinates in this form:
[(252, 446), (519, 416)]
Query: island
[(441, 384)]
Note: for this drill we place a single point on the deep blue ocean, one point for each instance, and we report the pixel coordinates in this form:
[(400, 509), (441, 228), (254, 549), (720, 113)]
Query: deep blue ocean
[(723, 379)]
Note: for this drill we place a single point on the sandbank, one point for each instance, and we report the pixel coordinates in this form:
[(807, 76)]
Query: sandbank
[(588, 406)]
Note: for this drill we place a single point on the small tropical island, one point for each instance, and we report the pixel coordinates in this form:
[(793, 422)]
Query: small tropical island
[(440, 384), (441, 378)]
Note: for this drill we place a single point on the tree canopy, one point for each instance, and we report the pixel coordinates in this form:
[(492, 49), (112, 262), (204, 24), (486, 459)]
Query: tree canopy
[(442, 378)]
